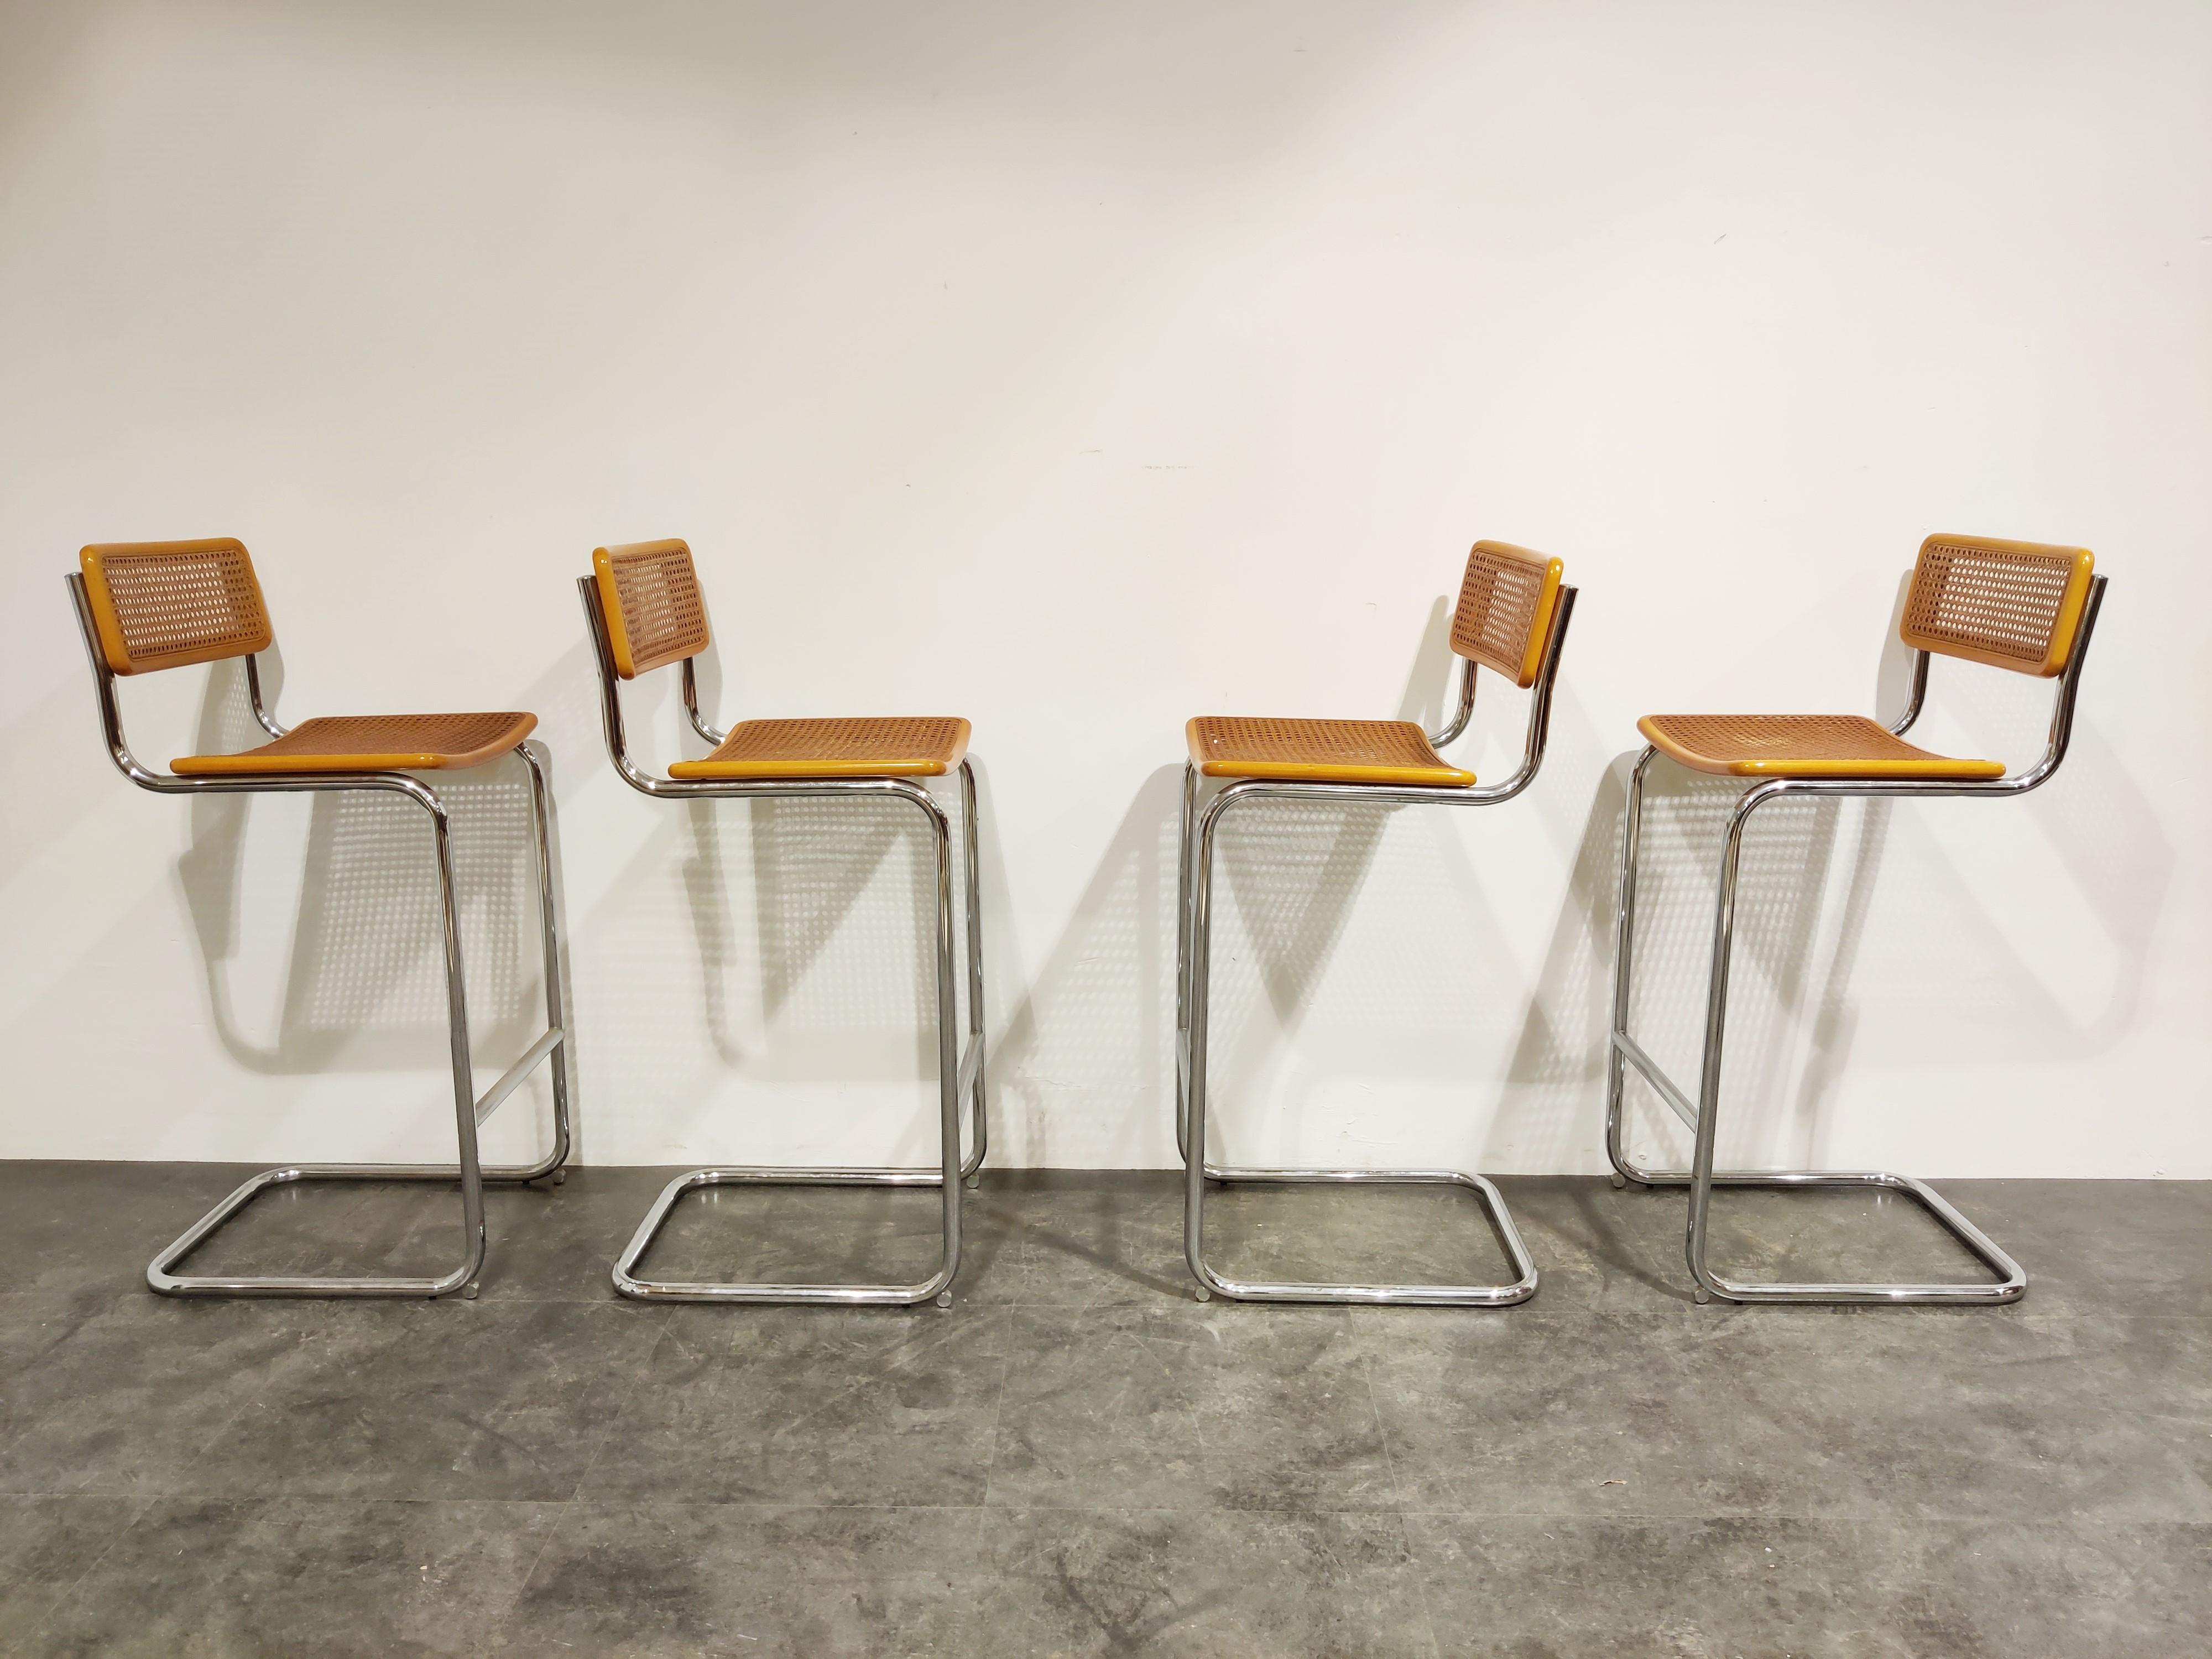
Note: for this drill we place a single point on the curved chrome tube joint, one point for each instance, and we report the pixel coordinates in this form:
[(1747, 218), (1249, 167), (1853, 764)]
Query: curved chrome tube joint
[(1193, 954), (960, 1070), (1702, 1116), (470, 1110)]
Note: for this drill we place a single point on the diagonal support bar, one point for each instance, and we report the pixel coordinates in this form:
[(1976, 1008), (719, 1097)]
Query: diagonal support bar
[(510, 1079), (969, 1062), (1633, 1053)]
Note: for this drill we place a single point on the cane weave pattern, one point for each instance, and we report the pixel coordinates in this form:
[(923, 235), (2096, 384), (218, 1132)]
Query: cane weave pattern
[(375, 743), (1800, 746), (1320, 751), (2010, 604), (917, 747), (650, 593), (1503, 619), (164, 605)]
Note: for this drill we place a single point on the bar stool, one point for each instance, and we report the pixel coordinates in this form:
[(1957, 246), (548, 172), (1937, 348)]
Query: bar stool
[(1512, 619), (146, 606), (644, 611), (2017, 605)]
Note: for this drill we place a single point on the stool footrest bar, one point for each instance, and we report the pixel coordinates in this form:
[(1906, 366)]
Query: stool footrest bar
[(1632, 1051), (495, 1097)]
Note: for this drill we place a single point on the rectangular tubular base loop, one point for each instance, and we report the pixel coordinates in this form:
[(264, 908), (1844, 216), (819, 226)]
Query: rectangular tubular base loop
[(2009, 1285), (160, 1279), (1432, 1296), (662, 1290)]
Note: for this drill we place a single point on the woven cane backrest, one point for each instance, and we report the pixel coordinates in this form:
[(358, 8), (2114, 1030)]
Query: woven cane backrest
[(650, 593), (2010, 604), (164, 605), (1505, 604)]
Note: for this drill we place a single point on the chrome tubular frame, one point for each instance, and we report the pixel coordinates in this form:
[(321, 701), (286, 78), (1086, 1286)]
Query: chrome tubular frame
[(960, 1071), (1194, 930), (470, 1110), (1703, 1117)]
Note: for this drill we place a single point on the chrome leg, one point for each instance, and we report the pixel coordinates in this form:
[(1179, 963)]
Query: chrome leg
[(972, 1080), (955, 1076), (549, 933), (1703, 1118), (1624, 946), (1195, 973), (1183, 863)]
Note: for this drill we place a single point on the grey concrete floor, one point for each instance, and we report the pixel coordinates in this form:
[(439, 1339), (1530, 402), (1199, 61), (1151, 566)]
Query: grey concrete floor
[(1079, 1458)]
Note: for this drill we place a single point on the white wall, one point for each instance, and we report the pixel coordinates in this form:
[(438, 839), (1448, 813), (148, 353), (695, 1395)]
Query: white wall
[(1080, 369)]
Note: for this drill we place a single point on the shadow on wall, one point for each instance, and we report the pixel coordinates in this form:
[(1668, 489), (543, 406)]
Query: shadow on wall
[(1958, 939), (814, 923), (1361, 946), (1090, 1040), (811, 864), (363, 983), (1357, 948)]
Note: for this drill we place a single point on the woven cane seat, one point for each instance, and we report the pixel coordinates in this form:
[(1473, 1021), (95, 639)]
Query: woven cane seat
[(923, 747), (1320, 751), (374, 742), (1800, 746)]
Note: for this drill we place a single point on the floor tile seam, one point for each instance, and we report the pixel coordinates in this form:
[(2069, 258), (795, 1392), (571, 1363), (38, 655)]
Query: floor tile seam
[(1381, 1430), (977, 1515), (2038, 1315), (563, 1511), (1813, 1518), (784, 1505), (1642, 1518), (1398, 1492), (216, 1432), (999, 1407), (606, 1433), (63, 1596), (1415, 1564), (1205, 1508), (553, 1530)]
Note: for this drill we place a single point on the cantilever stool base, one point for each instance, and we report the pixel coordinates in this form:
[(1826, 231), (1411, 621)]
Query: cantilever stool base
[(643, 611), (1195, 887), (1212, 1283), (627, 1282), (1512, 618), (552, 1044), (160, 1279), (2009, 605), (965, 1077)]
